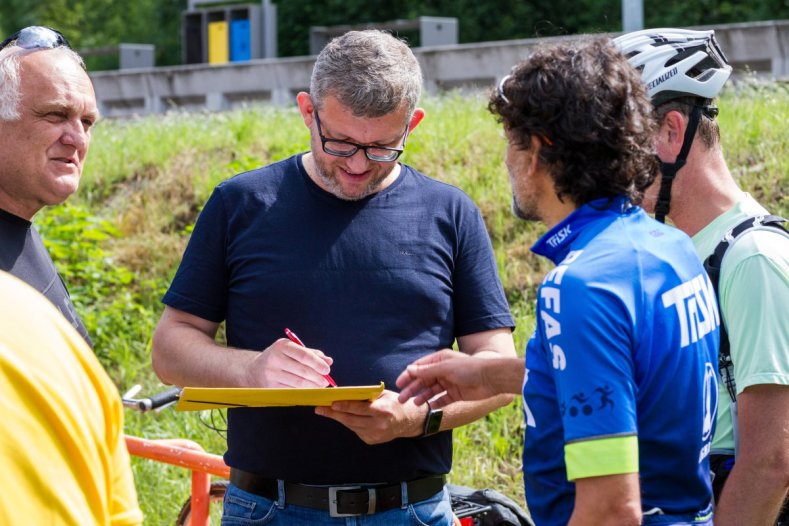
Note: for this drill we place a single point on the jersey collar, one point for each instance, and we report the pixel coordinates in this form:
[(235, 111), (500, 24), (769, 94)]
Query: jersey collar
[(555, 243)]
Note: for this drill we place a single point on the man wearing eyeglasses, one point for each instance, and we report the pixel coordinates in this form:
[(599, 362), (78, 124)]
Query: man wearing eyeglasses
[(47, 107), (373, 264)]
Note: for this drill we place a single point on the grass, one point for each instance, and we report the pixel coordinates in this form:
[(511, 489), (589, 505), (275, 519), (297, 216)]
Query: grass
[(120, 239)]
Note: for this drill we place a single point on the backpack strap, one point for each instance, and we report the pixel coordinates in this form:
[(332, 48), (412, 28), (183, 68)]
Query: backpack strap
[(713, 267)]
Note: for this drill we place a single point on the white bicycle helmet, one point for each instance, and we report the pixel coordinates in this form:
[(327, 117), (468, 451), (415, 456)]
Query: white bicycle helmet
[(676, 62)]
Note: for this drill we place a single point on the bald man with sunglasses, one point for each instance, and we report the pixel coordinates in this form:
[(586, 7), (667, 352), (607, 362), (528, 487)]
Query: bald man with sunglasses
[(47, 108)]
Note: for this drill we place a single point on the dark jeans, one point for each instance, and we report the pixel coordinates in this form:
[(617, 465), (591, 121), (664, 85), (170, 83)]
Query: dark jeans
[(245, 509)]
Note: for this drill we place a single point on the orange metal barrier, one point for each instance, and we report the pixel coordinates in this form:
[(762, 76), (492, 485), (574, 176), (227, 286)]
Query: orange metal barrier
[(189, 455)]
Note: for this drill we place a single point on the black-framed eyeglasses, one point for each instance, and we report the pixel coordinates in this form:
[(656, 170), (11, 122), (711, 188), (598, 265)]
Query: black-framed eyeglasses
[(36, 37), (338, 148)]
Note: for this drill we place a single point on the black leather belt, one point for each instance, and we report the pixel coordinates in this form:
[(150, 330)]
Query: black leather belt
[(339, 501)]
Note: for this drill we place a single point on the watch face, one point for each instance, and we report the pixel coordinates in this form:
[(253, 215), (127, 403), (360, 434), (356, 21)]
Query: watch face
[(433, 422)]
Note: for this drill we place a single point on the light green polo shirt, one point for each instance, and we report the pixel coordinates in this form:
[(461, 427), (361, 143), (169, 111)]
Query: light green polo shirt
[(754, 299)]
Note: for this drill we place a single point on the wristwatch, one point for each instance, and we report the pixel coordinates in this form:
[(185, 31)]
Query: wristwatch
[(432, 421)]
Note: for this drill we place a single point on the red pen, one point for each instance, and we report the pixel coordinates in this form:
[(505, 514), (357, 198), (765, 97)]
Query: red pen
[(295, 339)]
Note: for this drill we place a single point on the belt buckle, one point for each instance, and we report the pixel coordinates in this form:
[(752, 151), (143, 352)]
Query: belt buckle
[(333, 501)]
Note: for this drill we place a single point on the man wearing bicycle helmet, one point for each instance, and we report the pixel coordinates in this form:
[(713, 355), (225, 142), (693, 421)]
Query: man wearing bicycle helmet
[(684, 70)]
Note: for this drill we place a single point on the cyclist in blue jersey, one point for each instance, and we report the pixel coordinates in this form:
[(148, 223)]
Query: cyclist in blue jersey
[(619, 389)]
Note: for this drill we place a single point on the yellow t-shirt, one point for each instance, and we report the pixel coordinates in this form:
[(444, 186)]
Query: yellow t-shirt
[(63, 458)]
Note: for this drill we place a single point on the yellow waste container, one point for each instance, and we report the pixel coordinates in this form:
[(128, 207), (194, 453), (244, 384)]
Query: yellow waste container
[(218, 43)]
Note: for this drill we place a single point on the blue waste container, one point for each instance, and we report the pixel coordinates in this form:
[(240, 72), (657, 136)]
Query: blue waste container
[(240, 48)]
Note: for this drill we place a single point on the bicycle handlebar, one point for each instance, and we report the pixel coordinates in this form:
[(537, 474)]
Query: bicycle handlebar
[(157, 401)]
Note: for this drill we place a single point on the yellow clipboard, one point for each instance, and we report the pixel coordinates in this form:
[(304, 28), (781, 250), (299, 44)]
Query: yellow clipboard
[(200, 398)]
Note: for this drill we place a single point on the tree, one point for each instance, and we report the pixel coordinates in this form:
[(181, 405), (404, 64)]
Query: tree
[(101, 23), (98, 23)]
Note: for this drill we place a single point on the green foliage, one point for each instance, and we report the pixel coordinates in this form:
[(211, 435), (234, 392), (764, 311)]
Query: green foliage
[(706, 12), (120, 239), (753, 116), (488, 452), (512, 19), (116, 307), (100, 23), (97, 23)]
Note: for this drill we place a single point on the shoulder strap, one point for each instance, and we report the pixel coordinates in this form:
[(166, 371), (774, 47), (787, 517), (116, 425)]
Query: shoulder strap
[(713, 267)]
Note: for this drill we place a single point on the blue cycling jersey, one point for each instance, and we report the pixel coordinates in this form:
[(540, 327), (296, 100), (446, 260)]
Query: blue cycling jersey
[(621, 369)]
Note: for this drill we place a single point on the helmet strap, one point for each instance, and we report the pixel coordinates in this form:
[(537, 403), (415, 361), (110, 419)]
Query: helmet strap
[(669, 170)]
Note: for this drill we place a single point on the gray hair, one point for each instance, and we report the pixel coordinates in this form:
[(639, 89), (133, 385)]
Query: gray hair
[(10, 78), (371, 72), (708, 130)]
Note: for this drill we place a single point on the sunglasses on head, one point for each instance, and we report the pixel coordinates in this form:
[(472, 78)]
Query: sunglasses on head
[(36, 37)]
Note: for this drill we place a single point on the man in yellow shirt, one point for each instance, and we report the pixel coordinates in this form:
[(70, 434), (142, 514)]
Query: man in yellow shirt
[(63, 459)]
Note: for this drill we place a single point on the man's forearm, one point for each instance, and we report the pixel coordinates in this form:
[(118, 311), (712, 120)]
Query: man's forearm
[(186, 357), (607, 500), (507, 374), (757, 486), (749, 497), (498, 346), (461, 413), (505, 369)]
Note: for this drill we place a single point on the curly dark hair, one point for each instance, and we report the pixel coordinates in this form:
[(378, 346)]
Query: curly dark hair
[(590, 110)]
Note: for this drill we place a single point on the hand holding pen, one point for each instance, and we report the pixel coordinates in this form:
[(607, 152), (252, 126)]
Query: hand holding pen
[(295, 339)]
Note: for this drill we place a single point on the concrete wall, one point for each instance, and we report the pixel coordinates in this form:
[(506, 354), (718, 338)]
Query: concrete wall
[(760, 46)]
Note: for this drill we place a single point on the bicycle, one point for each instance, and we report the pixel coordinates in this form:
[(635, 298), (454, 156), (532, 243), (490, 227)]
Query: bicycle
[(190, 455), (182, 453)]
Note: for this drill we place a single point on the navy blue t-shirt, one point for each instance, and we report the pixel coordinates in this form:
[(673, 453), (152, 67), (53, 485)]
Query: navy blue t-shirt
[(374, 283)]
